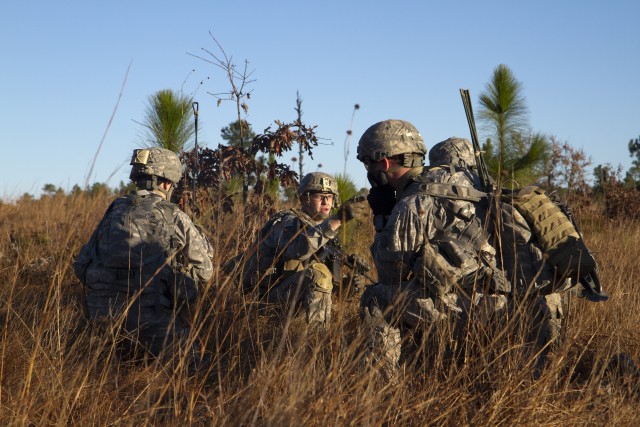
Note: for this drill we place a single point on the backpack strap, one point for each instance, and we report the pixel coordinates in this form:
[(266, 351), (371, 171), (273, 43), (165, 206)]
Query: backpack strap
[(452, 191)]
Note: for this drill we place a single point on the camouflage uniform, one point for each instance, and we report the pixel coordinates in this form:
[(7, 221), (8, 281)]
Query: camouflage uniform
[(287, 264), (141, 267), (453, 161), (421, 265)]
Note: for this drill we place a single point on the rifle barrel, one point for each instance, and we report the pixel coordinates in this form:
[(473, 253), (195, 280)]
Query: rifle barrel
[(482, 166)]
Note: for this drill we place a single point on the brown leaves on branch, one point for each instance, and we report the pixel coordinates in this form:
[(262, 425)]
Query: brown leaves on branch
[(282, 139), (225, 162)]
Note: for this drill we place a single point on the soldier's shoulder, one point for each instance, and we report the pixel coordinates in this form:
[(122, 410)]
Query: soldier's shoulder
[(413, 202), (121, 204), (412, 190), (279, 217), (287, 214), (180, 215)]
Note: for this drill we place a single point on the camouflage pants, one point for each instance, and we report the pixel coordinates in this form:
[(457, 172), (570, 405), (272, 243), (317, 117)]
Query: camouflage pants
[(388, 311), (156, 329), (312, 288), (546, 325)]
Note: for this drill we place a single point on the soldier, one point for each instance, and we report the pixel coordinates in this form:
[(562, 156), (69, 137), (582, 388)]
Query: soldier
[(287, 263), (142, 265), (453, 161), (430, 255)]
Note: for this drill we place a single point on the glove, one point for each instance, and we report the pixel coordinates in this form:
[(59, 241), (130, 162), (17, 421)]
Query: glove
[(382, 199), (353, 208), (358, 283), (355, 283)]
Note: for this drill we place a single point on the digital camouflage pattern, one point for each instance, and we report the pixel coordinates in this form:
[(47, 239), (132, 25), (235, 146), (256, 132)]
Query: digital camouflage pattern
[(318, 182), (155, 162), (420, 268), (453, 160), (430, 247), (454, 151), (287, 260), (390, 138), (140, 268)]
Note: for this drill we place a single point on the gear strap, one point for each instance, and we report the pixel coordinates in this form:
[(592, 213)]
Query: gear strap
[(452, 191)]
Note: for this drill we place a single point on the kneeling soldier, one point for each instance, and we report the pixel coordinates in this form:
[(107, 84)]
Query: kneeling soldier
[(288, 263), (141, 267)]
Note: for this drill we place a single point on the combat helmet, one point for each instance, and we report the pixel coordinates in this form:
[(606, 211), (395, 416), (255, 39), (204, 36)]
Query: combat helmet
[(155, 162), (453, 151), (318, 182), (391, 138)]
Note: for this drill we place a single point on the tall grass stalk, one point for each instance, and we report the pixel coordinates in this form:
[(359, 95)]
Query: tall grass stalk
[(268, 369)]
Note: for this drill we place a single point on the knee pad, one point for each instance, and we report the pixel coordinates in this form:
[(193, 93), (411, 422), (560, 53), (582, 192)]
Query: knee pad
[(320, 277)]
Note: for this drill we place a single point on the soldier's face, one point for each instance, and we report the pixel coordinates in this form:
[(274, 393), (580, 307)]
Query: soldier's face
[(317, 205)]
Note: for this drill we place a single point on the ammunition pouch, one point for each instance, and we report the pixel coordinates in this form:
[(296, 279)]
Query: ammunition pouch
[(293, 265), (436, 273), (320, 276)]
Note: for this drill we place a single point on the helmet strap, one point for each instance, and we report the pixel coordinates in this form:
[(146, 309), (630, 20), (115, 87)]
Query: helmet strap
[(412, 160), (150, 183), (159, 186), (145, 183)]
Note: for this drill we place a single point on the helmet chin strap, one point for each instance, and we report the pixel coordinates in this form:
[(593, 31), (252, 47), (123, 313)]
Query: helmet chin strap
[(152, 184)]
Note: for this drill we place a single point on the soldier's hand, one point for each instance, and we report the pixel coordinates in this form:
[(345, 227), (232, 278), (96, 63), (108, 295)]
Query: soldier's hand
[(354, 283), (353, 208), (382, 199), (358, 284)]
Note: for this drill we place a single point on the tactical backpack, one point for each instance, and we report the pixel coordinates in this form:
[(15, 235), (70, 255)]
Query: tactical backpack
[(555, 232), (140, 252), (542, 249), (459, 254), (558, 246), (538, 241)]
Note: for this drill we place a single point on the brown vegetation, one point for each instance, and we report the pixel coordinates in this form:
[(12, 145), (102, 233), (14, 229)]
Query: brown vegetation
[(266, 370)]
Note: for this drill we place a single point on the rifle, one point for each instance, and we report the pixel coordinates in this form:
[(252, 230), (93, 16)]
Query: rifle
[(333, 251), (483, 172)]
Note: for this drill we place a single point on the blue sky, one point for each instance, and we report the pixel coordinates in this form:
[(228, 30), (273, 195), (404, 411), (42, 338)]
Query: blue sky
[(64, 63)]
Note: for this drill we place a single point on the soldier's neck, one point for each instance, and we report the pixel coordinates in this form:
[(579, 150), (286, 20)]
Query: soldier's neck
[(406, 179)]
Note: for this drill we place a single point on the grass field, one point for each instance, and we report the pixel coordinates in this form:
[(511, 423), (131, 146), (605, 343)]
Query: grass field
[(266, 370)]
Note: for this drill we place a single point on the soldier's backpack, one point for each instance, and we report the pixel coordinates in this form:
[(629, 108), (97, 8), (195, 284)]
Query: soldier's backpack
[(554, 256), (555, 232), (538, 241), (141, 250)]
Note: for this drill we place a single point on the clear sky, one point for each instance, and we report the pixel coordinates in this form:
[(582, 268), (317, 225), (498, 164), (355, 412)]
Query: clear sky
[(64, 63)]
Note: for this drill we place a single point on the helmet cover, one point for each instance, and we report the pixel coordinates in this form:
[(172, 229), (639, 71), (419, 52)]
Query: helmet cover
[(453, 151), (390, 138), (155, 161)]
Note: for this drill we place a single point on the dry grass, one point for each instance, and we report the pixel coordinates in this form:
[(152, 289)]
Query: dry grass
[(266, 369)]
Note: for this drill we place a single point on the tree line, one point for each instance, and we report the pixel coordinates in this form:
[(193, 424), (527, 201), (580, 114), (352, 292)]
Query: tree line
[(245, 162)]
